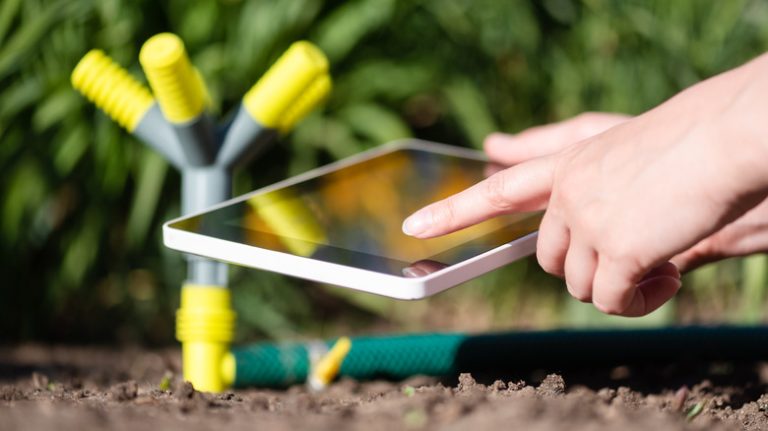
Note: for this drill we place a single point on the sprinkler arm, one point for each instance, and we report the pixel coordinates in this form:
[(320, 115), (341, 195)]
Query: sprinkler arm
[(127, 102), (181, 94), (315, 95), (296, 84)]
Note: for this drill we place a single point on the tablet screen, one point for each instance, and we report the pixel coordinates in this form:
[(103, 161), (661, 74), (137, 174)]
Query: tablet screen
[(353, 216)]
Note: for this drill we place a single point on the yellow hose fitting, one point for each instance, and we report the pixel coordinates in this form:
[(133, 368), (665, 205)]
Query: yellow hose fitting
[(112, 89), (205, 325), (328, 367), (176, 84), (269, 99), (315, 95)]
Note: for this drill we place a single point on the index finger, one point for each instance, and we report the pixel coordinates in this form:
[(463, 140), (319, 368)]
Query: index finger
[(524, 187)]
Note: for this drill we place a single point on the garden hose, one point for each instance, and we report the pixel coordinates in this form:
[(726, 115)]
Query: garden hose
[(399, 357)]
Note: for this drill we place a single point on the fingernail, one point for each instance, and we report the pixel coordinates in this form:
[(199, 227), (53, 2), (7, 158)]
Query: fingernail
[(654, 280), (679, 274), (416, 224)]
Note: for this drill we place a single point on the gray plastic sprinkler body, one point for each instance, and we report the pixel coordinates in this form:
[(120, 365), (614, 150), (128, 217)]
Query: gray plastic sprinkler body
[(177, 126)]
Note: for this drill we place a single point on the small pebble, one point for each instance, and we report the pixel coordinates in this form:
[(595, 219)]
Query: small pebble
[(680, 397), (40, 381), (184, 391), (125, 391), (466, 382), (552, 385)]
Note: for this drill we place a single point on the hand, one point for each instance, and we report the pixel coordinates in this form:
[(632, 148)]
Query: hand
[(746, 235), (621, 204)]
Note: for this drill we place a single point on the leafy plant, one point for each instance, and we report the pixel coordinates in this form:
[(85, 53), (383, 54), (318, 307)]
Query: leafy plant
[(82, 201)]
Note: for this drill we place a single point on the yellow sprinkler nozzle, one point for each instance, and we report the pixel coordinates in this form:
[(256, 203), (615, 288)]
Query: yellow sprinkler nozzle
[(112, 89), (328, 367), (269, 99), (177, 85), (315, 95)]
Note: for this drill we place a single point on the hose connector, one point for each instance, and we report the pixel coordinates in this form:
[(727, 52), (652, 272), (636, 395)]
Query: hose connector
[(269, 99), (177, 85), (112, 89), (205, 325), (328, 367)]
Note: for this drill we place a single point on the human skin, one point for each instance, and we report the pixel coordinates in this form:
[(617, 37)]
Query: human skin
[(746, 235), (684, 183)]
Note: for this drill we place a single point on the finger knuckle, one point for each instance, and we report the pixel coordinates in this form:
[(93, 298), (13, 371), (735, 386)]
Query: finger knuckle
[(444, 214), (707, 247), (621, 251), (588, 124), (568, 200), (496, 192)]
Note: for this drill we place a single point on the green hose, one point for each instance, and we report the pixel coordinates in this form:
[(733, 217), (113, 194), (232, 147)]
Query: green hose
[(402, 356)]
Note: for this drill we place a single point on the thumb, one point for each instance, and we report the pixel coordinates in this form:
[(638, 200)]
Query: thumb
[(521, 188), (705, 251)]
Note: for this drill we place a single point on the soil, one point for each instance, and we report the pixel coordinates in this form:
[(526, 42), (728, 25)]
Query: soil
[(97, 388)]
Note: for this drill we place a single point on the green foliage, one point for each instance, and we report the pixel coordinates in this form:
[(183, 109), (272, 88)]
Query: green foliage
[(82, 201)]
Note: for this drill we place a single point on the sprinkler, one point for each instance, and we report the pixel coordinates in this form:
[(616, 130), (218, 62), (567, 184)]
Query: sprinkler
[(173, 121)]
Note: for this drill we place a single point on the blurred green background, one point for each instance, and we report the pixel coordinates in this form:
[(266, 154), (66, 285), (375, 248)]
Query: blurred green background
[(82, 202)]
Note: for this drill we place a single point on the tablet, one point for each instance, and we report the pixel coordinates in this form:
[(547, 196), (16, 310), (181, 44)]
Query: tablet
[(341, 224)]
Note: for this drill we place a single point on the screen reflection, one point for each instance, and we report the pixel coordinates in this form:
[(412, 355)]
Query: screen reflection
[(353, 216)]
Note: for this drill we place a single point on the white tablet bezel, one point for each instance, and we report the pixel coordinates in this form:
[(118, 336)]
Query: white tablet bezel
[(342, 275)]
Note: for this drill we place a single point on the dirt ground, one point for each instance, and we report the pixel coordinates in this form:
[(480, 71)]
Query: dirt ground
[(100, 388)]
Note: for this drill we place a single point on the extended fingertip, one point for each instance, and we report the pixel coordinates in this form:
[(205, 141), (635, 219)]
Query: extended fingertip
[(416, 224), (497, 138), (496, 143)]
